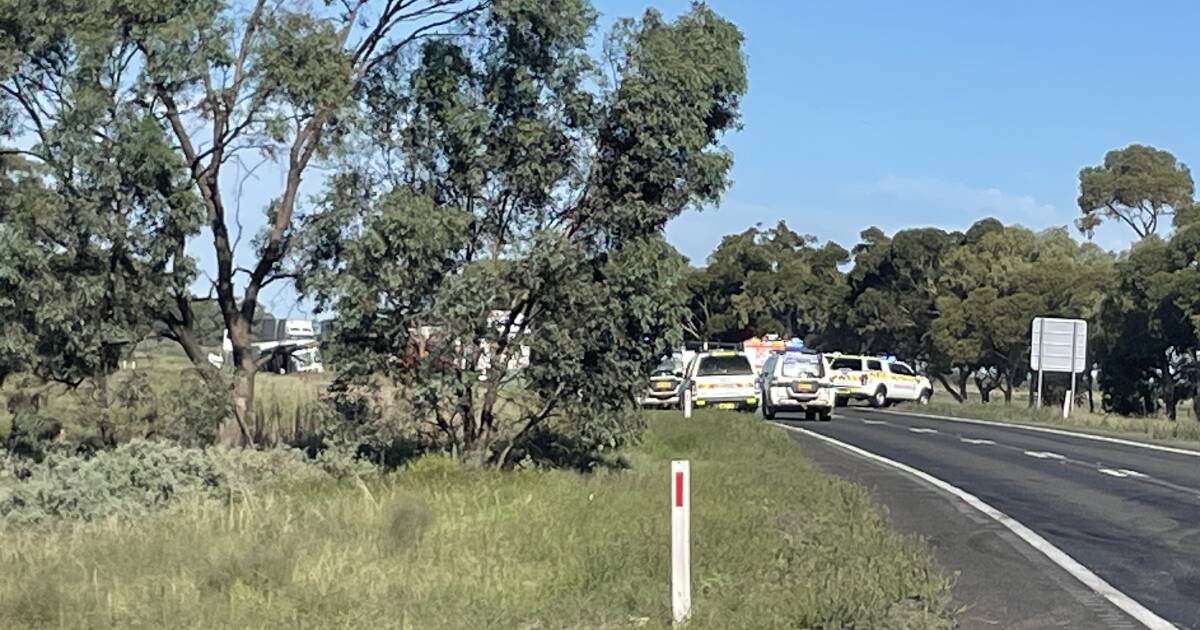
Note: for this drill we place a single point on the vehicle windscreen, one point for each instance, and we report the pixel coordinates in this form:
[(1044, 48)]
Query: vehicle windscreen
[(735, 365), (846, 364), (799, 366), (668, 366)]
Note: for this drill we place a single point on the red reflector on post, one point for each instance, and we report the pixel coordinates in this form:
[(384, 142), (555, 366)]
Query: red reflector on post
[(679, 489)]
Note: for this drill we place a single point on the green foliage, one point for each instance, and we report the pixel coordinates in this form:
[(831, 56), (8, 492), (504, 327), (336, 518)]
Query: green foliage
[(134, 479), (780, 544), (762, 281), (1136, 185), (997, 282), (510, 207), (135, 108), (1149, 324)]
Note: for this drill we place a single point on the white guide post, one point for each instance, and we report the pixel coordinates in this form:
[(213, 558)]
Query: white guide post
[(681, 559)]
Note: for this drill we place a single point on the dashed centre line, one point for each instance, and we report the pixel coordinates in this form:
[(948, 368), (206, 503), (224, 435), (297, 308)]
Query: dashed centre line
[(1044, 455), (922, 430), (975, 441), (1123, 472), (865, 421)]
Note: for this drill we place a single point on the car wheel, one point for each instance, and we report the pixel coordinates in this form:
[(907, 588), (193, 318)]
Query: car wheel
[(923, 399), (825, 415), (879, 398), (840, 401), (810, 415)]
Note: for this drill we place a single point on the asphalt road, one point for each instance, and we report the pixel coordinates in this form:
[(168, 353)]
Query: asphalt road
[(1130, 515)]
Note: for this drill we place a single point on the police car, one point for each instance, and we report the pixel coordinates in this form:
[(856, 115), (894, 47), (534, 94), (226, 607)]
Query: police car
[(665, 384), (723, 379), (880, 380), (795, 380)]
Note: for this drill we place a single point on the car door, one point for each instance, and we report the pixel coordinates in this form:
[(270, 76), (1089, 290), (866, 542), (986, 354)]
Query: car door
[(845, 375), (766, 376), (905, 381)]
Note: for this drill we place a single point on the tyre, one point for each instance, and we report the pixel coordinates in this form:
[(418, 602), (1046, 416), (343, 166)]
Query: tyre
[(825, 415), (923, 399), (840, 401), (879, 398), (810, 415)]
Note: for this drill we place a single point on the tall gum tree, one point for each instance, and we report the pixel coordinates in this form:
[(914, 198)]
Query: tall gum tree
[(225, 81), (512, 193)]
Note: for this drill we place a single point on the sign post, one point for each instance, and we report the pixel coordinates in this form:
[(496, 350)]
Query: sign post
[(681, 561), (1058, 345)]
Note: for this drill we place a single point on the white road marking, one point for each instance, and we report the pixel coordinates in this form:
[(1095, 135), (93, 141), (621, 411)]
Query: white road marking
[(1134, 473), (865, 421), (922, 430), (1044, 455), (1026, 427), (1114, 473), (1119, 599), (975, 441)]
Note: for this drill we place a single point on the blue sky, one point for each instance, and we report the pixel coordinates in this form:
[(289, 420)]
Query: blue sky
[(934, 113), (940, 113)]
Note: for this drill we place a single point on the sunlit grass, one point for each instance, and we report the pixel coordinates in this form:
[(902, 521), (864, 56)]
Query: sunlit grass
[(1156, 428), (776, 544)]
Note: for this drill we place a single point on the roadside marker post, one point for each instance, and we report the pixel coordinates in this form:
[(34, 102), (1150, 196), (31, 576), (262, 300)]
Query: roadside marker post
[(681, 559)]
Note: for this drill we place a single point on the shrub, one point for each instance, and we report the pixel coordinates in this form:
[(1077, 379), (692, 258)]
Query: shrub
[(135, 478)]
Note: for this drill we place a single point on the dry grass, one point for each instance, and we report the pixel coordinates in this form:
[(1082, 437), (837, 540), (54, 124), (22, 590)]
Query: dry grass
[(776, 544), (1157, 429)]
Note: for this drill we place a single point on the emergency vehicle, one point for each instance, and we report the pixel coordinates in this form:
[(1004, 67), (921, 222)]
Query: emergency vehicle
[(723, 379), (796, 380), (665, 384), (880, 380)]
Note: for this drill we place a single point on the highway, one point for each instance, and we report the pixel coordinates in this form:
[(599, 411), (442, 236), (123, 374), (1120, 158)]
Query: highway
[(1128, 514)]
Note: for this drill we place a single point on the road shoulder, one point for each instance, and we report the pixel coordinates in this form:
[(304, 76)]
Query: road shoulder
[(1001, 582)]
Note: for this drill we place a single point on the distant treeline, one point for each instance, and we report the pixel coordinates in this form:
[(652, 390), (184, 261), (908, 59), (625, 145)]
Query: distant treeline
[(961, 303)]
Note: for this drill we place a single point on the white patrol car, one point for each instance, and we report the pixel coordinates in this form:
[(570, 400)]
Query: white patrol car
[(876, 379), (723, 379), (665, 384), (796, 381)]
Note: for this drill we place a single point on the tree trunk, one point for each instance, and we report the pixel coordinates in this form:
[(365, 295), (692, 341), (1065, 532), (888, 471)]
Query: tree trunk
[(962, 384), (949, 389), (235, 430), (1091, 398), (985, 393), (1168, 392), (103, 409), (1006, 385)]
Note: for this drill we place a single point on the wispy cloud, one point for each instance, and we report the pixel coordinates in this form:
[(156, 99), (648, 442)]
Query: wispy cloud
[(941, 196)]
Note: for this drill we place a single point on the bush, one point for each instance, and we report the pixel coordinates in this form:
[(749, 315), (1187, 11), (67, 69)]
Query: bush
[(135, 478)]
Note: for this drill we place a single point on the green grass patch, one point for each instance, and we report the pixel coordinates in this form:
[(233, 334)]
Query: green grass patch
[(1184, 430), (776, 544)]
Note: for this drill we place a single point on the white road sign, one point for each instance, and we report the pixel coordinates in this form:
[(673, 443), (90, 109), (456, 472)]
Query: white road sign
[(1059, 345)]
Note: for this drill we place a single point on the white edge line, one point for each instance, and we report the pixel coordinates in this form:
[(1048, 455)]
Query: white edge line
[(1086, 436), (1126, 603)]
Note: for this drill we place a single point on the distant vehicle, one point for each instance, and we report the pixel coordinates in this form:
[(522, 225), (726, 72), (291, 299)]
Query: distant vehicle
[(876, 379), (284, 346), (796, 381), (723, 379), (271, 329), (666, 381)]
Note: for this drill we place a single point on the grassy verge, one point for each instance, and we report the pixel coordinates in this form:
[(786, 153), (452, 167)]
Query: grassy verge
[(776, 544), (1184, 431)]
